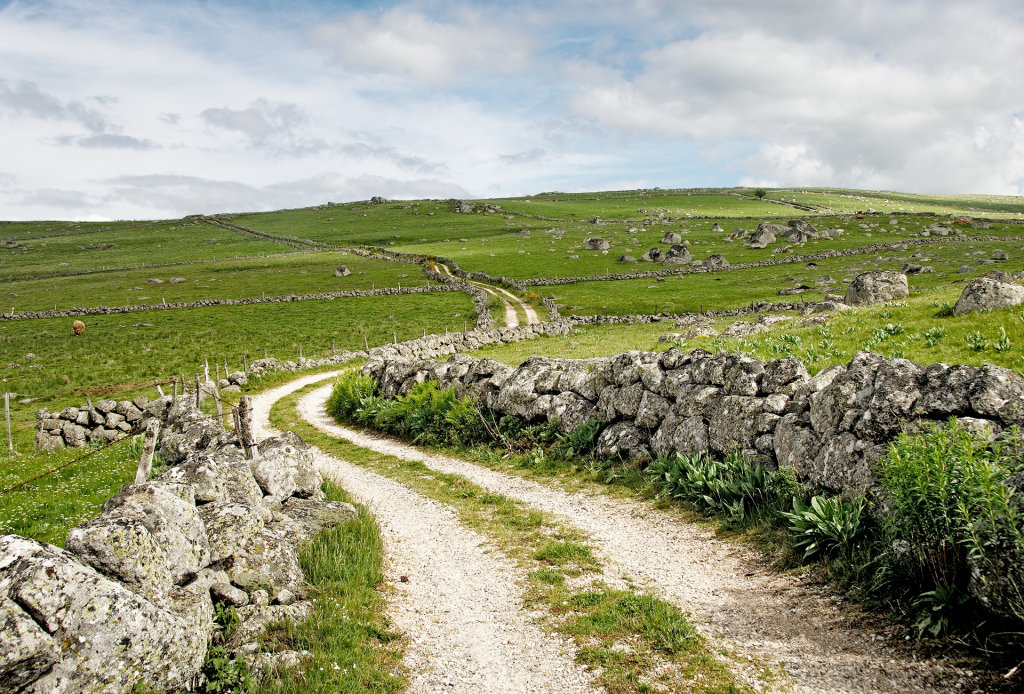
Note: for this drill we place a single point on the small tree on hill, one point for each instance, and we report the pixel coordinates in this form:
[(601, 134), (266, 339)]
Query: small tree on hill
[(760, 193)]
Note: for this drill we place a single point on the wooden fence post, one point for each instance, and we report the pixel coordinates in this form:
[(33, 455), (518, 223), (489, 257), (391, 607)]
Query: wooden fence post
[(7, 416), (216, 399), (245, 435), (149, 445), (366, 343), (199, 391)]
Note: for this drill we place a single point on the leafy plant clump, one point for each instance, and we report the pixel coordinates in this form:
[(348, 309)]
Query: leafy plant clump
[(733, 485), (825, 525)]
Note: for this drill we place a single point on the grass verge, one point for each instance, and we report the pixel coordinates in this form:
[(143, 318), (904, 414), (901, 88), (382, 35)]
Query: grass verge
[(352, 646), (631, 641)]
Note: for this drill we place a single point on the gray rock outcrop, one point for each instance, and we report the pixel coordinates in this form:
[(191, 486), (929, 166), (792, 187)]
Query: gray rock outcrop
[(875, 287), (597, 244), (985, 294)]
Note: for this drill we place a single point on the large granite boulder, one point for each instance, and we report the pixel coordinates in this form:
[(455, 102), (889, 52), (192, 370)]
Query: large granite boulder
[(875, 287), (716, 262), (284, 468), (597, 244), (147, 537), (93, 634), (985, 294), (761, 238)]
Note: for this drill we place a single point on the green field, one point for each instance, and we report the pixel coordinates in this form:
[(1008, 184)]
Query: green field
[(128, 262)]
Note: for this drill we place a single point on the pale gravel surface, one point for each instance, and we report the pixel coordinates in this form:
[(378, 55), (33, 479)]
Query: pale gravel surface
[(511, 317), (461, 608), (734, 598), (531, 314)]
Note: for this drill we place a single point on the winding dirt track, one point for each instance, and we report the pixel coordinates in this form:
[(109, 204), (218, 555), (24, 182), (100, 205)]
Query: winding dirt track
[(461, 608), (757, 615)]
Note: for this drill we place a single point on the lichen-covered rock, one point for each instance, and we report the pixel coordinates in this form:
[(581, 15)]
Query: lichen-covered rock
[(896, 391), (998, 393), (742, 376), (671, 237), (716, 262), (627, 401), (571, 410), (266, 559), (147, 537), (109, 637), (596, 244), (946, 391), (254, 619), (313, 517), (986, 294), (26, 651), (761, 238), (285, 467), (876, 286), (839, 406), (783, 375), (651, 410), (623, 441), (733, 424), (229, 527)]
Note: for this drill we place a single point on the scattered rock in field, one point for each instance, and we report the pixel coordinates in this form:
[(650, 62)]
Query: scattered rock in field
[(966, 269), (653, 255), (716, 228), (342, 271), (984, 294), (876, 286), (523, 232), (700, 331), (678, 255), (671, 237), (824, 281), (716, 262), (761, 238), (1000, 255), (627, 259), (154, 280), (177, 280), (597, 244)]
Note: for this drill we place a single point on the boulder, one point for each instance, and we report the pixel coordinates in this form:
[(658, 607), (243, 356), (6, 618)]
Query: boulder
[(671, 237), (106, 637), (313, 517), (627, 259), (783, 375), (572, 410), (267, 559), (874, 287), (733, 424), (624, 441), (716, 262), (26, 650), (653, 255), (229, 527), (285, 467), (342, 271), (761, 238), (984, 294), (147, 537), (596, 244), (678, 255), (105, 406)]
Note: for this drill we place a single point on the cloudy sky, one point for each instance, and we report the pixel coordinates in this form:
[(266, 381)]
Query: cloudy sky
[(113, 110)]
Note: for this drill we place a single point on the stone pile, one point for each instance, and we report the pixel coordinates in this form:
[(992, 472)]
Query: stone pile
[(131, 598), (103, 422), (829, 428)]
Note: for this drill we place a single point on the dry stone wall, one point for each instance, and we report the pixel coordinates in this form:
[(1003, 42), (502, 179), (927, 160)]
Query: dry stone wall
[(131, 597), (829, 428)]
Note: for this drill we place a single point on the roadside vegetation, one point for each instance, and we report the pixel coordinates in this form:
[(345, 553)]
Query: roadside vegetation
[(632, 641), (943, 557)]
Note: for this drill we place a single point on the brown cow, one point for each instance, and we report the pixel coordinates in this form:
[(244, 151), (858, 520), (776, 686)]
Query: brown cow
[(78, 327)]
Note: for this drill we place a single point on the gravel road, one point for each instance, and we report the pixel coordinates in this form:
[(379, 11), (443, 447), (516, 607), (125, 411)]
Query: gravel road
[(461, 607), (756, 614)]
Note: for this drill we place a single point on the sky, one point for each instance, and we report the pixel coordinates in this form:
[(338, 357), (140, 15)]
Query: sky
[(125, 110)]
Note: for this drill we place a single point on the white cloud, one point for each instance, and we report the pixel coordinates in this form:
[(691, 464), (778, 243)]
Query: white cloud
[(404, 41)]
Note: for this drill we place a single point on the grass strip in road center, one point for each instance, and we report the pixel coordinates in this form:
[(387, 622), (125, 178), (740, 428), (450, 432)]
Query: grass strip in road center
[(632, 642)]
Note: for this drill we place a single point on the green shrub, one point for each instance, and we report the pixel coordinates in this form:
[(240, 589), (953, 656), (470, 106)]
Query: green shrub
[(350, 390), (579, 442), (425, 415), (954, 531), (825, 525), (732, 485)]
